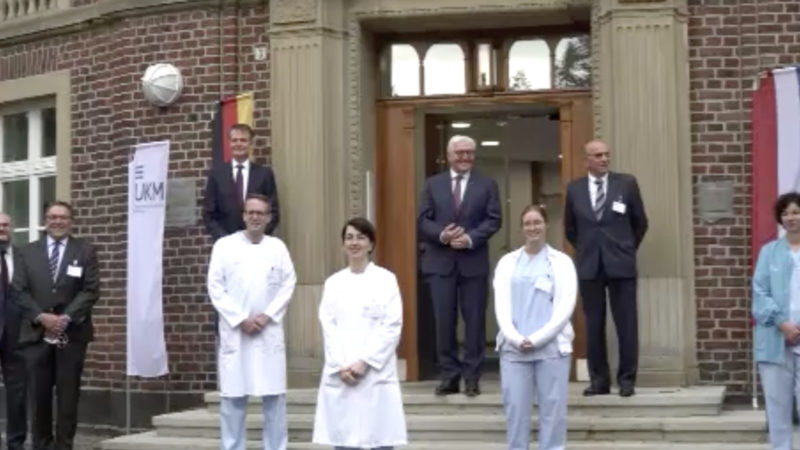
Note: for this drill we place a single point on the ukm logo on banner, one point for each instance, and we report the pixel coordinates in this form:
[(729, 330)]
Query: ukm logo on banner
[(147, 200)]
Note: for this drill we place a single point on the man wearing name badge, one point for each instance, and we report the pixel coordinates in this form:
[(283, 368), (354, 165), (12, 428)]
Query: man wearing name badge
[(11, 357), (229, 183), (57, 285), (250, 281), (605, 221), (460, 211)]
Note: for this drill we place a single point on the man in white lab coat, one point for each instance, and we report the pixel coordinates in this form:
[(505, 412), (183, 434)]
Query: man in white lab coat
[(250, 281)]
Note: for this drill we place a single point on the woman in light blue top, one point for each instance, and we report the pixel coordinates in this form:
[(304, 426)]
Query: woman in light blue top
[(776, 309), (535, 289)]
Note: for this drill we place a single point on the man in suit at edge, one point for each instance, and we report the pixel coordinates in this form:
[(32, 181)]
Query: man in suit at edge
[(11, 356), (460, 211), (229, 183), (57, 284), (605, 221)]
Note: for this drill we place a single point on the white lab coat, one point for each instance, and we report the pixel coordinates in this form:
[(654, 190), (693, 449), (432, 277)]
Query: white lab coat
[(565, 285), (361, 317), (244, 280)]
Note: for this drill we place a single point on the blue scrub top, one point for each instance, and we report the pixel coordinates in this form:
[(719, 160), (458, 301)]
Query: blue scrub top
[(531, 304), (794, 293)]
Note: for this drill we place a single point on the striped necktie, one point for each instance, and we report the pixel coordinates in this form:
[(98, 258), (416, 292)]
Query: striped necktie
[(54, 259), (600, 199)]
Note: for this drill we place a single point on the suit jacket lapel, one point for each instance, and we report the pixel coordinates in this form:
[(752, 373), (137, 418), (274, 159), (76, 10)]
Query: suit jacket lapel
[(468, 189), (227, 182), (585, 198), (613, 192), (252, 178), (447, 188), (44, 259)]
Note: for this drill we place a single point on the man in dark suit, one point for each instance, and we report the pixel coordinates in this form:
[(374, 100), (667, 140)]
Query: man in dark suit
[(225, 188), (57, 285), (460, 211), (11, 357), (605, 222)]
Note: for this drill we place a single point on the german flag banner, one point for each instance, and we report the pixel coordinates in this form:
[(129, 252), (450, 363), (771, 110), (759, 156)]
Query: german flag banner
[(230, 111)]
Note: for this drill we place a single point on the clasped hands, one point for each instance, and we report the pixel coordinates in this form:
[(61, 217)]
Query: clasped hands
[(455, 236), (526, 346), (54, 324), (353, 373), (791, 332), (255, 324)]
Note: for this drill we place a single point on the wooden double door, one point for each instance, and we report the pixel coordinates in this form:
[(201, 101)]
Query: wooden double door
[(531, 144)]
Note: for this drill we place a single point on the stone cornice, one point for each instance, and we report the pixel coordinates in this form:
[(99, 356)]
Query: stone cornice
[(70, 20)]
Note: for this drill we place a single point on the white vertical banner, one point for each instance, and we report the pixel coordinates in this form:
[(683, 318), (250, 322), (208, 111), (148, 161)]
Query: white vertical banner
[(147, 201)]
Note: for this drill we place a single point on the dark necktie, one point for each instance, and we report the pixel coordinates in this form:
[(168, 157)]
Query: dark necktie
[(600, 200), (457, 192), (54, 259), (239, 186), (4, 268)]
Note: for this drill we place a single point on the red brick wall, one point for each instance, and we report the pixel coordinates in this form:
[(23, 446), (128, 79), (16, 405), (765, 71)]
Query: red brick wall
[(109, 116), (730, 41)]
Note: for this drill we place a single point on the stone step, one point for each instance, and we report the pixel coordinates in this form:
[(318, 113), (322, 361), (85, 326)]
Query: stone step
[(729, 426), (152, 441), (418, 398)]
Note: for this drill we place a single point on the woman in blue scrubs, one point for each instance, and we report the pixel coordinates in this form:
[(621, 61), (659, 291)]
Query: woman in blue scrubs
[(776, 309), (535, 290)]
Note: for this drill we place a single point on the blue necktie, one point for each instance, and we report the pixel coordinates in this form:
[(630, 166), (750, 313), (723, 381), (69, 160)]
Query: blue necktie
[(600, 200), (54, 259)]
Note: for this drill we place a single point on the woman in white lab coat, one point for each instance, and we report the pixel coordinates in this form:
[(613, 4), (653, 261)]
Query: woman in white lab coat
[(535, 290), (359, 405)]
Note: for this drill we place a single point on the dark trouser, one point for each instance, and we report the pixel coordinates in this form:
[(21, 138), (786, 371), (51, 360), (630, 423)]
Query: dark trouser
[(622, 298), (15, 380), (448, 293), (48, 367)]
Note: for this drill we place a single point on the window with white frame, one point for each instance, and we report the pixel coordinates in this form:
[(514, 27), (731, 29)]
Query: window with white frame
[(27, 165)]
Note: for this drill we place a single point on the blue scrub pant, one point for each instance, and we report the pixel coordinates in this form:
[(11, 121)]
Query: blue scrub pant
[(548, 381), (354, 448), (233, 430), (778, 381)]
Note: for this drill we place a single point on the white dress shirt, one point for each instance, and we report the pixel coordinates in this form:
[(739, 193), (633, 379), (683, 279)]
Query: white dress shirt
[(464, 180), (593, 187), (10, 262), (245, 174)]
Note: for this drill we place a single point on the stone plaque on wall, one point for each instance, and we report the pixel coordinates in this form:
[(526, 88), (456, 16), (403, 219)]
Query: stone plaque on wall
[(715, 200), (181, 203), (293, 11)]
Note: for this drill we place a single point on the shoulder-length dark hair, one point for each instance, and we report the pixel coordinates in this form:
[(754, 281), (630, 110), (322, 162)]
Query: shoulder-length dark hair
[(783, 202)]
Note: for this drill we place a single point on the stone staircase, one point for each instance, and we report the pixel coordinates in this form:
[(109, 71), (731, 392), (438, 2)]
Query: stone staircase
[(654, 419)]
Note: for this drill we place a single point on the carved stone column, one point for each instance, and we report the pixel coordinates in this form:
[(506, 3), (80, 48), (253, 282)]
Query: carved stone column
[(641, 110), (308, 153)]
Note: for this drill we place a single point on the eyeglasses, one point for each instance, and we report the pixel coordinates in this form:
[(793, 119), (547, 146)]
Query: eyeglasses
[(57, 217), (256, 213)]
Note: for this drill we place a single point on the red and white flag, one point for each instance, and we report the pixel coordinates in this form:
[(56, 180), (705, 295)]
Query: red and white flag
[(776, 149)]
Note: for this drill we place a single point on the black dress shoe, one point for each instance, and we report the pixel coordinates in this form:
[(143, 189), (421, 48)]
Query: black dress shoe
[(594, 390), (447, 387), (471, 388), (626, 391)]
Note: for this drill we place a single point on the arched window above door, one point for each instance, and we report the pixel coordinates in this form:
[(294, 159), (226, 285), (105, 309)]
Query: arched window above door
[(529, 65), (405, 70), (481, 61), (444, 68), (573, 63)]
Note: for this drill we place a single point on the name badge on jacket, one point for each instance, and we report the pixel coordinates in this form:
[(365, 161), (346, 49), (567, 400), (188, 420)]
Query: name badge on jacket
[(74, 271), (619, 207)]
